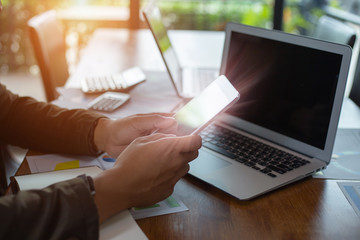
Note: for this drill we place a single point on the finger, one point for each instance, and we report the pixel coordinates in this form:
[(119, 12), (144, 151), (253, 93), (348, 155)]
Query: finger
[(188, 143), (170, 130), (152, 122), (165, 114), (181, 172), (154, 137), (189, 156), (168, 114)]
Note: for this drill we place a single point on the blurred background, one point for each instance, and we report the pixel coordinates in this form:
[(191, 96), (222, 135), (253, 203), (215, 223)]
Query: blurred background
[(81, 17)]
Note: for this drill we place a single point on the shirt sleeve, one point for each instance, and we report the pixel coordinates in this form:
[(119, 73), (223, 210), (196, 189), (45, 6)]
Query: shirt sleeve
[(44, 127), (64, 210)]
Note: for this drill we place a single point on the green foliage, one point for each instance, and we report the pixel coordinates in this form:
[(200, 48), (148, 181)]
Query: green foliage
[(335, 3), (293, 21), (260, 15), (16, 51), (213, 15)]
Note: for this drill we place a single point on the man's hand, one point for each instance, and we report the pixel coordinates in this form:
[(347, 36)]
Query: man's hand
[(113, 136), (145, 172)]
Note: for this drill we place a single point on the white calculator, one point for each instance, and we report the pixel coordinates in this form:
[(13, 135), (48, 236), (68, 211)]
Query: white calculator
[(109, 101)]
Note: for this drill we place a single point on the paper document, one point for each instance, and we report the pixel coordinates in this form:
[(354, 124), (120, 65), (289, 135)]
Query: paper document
[(41, 180), (351, 191), (170, 205), (53, 162), (121, 226), (345, 160)]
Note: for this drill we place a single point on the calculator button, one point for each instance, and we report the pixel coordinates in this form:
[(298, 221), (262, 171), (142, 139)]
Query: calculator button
[(108, 101)]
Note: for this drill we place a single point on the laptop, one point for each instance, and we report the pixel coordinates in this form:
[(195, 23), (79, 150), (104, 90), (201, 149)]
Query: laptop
[(188, 81), (283, 127)]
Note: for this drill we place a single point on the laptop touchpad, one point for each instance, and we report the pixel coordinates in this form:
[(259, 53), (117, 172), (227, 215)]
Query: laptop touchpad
[(206, 163)]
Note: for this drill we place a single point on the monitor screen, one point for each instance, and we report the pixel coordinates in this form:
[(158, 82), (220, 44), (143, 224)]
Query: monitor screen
[(286, 88), (158, 29)]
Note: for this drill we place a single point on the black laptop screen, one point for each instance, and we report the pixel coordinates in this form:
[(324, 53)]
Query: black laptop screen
[(285, 88)]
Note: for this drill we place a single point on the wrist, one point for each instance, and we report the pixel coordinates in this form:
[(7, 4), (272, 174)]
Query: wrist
[(108, 200), (101, 201), (100, 134)]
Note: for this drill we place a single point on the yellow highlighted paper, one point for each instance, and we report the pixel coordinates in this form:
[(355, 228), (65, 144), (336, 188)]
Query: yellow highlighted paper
[(67, 165)]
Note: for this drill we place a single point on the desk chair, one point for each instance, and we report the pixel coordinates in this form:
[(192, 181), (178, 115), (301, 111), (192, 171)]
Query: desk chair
[(334, 30), (331, 29), (48, 41), (354, 94)]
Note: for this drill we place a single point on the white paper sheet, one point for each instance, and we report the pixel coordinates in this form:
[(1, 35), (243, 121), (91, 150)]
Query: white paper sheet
[(54, 162), (170, 205), (351, 191)]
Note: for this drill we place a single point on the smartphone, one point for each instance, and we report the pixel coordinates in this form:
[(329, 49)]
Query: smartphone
[(213, 100)]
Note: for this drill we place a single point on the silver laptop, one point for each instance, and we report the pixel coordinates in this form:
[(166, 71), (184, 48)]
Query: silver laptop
[(188, 81), (283, 128)]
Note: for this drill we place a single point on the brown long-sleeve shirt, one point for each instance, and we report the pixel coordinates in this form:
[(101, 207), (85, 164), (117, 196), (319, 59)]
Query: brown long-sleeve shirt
[(63, 210)]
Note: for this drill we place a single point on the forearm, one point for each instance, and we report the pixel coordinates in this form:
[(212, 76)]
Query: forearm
[(61, 211), (41, 126)]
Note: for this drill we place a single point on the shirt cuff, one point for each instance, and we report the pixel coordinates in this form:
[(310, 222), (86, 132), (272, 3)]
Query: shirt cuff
[(91, 143), (86, 206)]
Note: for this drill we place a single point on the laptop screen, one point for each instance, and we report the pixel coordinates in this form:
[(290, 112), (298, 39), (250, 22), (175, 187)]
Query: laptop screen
[(154, 19), (286, 88)]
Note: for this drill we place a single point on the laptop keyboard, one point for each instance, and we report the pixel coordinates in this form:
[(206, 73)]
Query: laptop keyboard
[(203, 78), (259, 156)]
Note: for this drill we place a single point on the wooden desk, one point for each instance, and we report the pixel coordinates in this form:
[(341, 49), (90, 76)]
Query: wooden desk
[(309, 209), (114, 50)]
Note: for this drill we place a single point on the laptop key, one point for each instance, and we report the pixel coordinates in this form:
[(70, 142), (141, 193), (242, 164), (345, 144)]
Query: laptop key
[(271, 175), (256, 168), (286, 168), (276, 169), (240, 160), (250, 164), (265, 170)]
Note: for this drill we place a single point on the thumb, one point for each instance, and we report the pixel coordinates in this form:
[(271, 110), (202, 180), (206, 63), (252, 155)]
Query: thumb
[(165, 122), (154, 122), (188, 143)]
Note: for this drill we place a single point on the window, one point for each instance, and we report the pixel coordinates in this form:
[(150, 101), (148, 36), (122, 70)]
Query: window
[(81, 17), (214, 14)]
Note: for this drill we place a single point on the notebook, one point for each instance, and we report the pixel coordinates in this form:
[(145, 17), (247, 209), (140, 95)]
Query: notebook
[(283, 128), (188, 81)]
